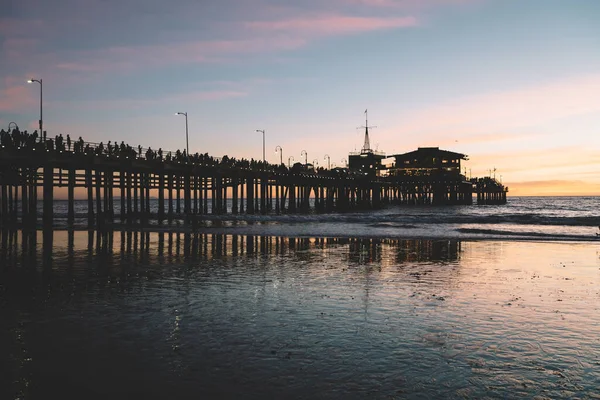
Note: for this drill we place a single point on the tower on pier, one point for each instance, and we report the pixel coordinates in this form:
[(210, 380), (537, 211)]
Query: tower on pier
[(367, 161)]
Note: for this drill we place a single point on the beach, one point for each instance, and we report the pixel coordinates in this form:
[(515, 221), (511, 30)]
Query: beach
[(174, 314)]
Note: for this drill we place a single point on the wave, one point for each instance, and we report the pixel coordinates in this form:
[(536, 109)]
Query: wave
[(399, 220), (527, 234)]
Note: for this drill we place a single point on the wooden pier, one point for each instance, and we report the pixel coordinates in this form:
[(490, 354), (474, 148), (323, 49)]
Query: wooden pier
[(137, 188)]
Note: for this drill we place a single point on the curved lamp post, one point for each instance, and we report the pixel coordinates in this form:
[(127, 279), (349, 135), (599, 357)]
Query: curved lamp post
[(263, 132), (305, 156), (41, 107), (12, 123), (316, 162), (290, 158), (187, 142), (328, 161), (280, 150), (345, 162)]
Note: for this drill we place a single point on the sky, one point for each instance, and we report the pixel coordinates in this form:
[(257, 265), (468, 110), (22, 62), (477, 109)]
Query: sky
[(513, 84)]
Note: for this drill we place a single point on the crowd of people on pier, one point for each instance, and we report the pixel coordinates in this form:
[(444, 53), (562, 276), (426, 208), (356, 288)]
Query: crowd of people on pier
[(17, 140)]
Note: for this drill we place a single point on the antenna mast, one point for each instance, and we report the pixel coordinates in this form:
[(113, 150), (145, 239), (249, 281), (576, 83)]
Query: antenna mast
[(367, 145)]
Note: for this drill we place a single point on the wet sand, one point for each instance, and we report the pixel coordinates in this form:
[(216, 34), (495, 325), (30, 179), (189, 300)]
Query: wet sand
[(182, 316)]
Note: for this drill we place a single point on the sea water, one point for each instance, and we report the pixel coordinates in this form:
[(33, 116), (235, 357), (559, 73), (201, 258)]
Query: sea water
[(556, 218)]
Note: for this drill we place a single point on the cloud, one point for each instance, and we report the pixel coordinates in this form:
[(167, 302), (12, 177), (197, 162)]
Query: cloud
[(142, 104), (332, 24), (408, 4), (14, 49), (128, 59), (261, 37), (16, 95)]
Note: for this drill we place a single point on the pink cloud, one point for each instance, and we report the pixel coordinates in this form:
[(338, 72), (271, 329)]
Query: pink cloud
[(141, 104), (124, 59), (409, 4), (13, 27), (295, 33), (16, 98), (333, 25), (17, 49)]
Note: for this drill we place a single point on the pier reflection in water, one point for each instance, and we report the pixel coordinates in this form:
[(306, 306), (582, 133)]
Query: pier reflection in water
[(178, 314), (43, 247)]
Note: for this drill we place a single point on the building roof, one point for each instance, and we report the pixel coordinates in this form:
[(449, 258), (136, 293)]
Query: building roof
[(430, 152)]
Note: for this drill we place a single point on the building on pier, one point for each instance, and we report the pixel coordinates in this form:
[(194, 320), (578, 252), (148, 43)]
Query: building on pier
[(430, 175), (427, 161), (367, 162)]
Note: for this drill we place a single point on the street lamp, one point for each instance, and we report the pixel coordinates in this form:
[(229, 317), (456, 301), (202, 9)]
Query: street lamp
[(305, 156), (345, 162), (263, 132), (11, 124), (328, 161), (290, 159), (41, 109), (316, 162), (187, 142), (280, 150)]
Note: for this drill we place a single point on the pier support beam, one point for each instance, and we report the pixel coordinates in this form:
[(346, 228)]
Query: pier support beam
[(71, 198), (48, 196), (161, 198)]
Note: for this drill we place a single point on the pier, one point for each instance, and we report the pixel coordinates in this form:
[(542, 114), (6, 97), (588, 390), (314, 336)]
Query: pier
[(127, 185)]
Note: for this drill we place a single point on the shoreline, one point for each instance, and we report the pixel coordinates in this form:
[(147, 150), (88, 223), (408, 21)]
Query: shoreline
[(533, 237)]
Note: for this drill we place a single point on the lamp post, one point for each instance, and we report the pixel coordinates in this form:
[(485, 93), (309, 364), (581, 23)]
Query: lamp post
[(263, 132), (187, 142), (316, 162), (41, 107), (290, 159), (328, 161), (345, 162), (305, 156), (11, 124), (280, 150)]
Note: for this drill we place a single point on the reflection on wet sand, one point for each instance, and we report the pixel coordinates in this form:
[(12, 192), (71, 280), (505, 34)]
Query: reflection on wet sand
[(23, 247), (184, 315)]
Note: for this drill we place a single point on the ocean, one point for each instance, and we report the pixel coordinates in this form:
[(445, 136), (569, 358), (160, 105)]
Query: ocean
[(544, 218), (464, 302)]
